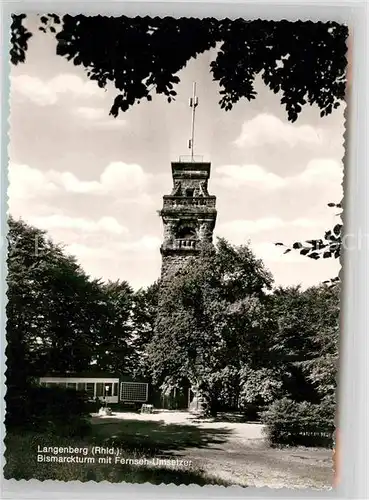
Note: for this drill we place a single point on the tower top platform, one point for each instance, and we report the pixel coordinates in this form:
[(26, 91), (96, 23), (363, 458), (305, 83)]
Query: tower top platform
[(191, 169)]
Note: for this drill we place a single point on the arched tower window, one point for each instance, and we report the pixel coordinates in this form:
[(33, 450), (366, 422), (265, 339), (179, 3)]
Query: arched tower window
[(186, 233)]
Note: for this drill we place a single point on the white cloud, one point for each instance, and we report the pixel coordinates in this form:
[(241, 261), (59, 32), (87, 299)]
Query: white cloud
[(34, 89), (108, 261), (249, 226), (118, 177), (74, 84), (26, 182), (233, 176), (322, 170), (70, 182), (98, 117), (104, 224), (81, 252), (303, 222), (268, 129), (239, 231), (269, 252), (90, 113), (46, 93), (146, 246), (123, 177), (111, 225), (146, 243), (141, 199), (317, 172)]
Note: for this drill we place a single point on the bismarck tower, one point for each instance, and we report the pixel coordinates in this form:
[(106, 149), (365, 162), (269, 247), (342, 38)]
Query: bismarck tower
[(189, 212), (188, 215)]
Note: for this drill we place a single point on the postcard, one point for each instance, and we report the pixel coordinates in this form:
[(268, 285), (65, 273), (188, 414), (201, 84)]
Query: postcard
[(174, 240)]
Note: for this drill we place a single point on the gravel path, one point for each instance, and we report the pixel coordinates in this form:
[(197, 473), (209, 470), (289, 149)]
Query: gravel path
[(244, 458)]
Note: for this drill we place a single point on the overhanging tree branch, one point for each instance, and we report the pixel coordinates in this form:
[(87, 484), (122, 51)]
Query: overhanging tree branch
[(303, 61)]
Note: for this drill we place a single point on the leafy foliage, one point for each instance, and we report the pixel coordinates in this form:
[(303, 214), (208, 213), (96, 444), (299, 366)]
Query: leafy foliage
[(305, 61), (307, 333), (41, 409), (291, 423), (145, 309), (114, 351), (239, 346), (299, 350), (211, 318), (221, 328), (52, 307), (327, 247), (58, 319), (321, 365), (19, 39), (260, 386)]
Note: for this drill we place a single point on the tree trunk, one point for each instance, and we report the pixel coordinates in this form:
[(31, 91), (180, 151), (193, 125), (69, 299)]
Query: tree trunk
[(213, 409)]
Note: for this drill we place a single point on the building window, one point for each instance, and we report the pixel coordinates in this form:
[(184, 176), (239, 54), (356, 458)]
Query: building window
[(81, 386), (104, 389), (115, 389), (189, 192), (90, 389), (108, 389), (99, 389), (185, 233)]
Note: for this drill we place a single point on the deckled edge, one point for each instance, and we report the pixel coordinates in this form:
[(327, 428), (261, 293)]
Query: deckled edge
[(4, 185), (5, 121), (345, 161)]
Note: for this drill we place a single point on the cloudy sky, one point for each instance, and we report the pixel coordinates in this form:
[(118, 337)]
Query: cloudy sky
[(96, 183)]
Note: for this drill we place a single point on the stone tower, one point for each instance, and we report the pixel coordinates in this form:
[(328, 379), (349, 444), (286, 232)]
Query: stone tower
[(188, 215)]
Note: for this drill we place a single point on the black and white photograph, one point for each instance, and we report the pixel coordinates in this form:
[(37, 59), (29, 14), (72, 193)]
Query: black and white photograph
[(174, 234)]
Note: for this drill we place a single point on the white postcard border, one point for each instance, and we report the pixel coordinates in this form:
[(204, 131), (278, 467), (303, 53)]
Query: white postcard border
[(353, 396)]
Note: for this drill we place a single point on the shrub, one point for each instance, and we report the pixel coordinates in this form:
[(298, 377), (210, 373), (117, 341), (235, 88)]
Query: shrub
[(55, 410), (290, 423)]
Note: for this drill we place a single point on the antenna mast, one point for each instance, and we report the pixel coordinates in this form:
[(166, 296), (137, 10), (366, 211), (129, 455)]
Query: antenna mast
[(194, 101)]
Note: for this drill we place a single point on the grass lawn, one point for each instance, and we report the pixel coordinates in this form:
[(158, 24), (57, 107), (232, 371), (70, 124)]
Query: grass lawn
[(156, 437), (136, 440), (221, 453)]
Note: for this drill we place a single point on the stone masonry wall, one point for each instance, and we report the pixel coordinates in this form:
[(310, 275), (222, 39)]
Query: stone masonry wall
[(171, 264)]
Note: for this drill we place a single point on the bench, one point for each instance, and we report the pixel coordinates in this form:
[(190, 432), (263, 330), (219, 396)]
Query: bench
[(145, 408)]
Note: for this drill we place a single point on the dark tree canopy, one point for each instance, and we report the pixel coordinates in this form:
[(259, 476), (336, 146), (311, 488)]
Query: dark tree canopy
[(211, 311), (222, 327), (305, 61), (52, 309), (59, 319)]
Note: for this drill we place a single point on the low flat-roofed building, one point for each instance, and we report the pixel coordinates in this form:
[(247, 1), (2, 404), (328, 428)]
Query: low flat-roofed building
[(108, 387)]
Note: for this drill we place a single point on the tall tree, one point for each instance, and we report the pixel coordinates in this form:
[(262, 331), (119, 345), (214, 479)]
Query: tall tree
[(305, 341), (321, 366), (304, 61), (209, 319), (114, 350), (52, 307), (299, 351), (145, 309)]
